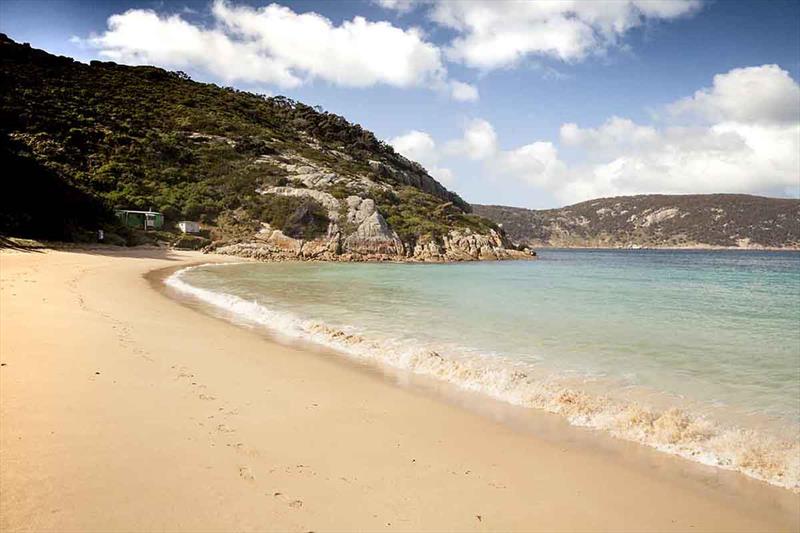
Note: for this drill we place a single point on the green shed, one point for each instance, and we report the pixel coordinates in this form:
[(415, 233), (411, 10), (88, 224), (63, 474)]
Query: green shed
[(141, 219)]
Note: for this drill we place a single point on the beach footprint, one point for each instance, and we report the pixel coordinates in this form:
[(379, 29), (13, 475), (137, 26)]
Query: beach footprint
[(246, 473)]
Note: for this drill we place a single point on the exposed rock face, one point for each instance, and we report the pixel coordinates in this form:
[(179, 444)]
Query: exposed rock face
[(373, 240), (416, 176), (328, 201), (465, 245), (358, 232), (372, 235), (680, 221), (314, 175)]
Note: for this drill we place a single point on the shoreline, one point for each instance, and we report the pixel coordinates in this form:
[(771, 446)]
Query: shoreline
[(669, 425), (207, 424)]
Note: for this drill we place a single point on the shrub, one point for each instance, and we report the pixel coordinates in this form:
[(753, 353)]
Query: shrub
[(103, 135), (191, 242), (301, 218), (114, 239)]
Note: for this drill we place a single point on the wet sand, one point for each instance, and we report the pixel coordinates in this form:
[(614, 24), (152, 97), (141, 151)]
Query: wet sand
[(123, 410)]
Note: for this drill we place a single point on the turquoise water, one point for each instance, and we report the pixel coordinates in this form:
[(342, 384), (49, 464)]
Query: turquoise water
[(610, 339)]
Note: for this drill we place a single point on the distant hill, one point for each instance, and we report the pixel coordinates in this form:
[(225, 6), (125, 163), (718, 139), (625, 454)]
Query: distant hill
[(267, 177), (657, 221)]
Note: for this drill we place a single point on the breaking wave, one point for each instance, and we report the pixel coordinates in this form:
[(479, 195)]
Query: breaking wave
[(673, 430)]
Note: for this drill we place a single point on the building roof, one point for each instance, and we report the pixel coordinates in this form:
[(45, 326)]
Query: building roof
[(140, 212)]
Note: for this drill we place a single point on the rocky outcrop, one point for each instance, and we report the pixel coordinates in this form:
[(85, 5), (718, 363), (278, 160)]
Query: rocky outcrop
[(372, 235), (465, 245), (358, 232), (314, 175), (326, 200), (373, 240), (412, 174)]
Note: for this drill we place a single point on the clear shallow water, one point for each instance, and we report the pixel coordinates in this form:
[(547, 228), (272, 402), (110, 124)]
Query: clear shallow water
[(695, 353)]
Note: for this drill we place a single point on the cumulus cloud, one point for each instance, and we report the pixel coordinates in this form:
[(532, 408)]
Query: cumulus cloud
[(764, 95), (536, 164), (747, 144), (416, 145), (500, 33), (611, 136), (463, 92), (401, 6), (356, 53), (420, 147), (748, 141), (145, 37), (726, 157), (275, 45), (479, 141)]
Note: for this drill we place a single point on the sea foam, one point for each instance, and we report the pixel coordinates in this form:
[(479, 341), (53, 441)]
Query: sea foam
[(673, 430)]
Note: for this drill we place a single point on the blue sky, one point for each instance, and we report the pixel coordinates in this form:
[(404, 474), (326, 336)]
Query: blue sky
[(565, 102)]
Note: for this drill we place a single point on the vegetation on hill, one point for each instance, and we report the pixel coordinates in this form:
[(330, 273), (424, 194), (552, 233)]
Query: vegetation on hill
[(725, 220), (82, 140)]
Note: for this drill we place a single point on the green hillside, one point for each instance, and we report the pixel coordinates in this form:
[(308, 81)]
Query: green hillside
[(82, 140)]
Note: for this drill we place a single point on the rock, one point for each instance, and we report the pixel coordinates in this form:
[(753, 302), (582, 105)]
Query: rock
[(362, 234), (372, 235), (466, 245), (322, 248), (312, 174), (328, 201), (416, 176)]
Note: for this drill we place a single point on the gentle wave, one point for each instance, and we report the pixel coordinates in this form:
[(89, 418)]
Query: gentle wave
[(673, 430)]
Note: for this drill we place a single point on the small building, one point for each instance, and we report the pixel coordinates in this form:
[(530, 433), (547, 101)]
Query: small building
[(141, 219), (189, 226)]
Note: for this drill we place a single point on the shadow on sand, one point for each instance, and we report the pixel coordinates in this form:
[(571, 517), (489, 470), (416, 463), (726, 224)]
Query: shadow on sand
[(136, 252)]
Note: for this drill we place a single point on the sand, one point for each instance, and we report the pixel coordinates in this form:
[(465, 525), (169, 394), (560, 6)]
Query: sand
[(124, 410)]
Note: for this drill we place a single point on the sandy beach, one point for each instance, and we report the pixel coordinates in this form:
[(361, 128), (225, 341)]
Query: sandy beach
[(122, 409)]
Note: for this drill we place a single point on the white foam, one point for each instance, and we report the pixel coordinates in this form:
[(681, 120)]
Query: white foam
[(673, 430)]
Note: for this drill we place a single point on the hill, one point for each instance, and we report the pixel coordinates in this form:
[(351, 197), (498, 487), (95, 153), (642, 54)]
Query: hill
[(267, 177), (657, 221)]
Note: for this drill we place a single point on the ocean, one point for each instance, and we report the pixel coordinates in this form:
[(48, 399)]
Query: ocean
[(695, 353)]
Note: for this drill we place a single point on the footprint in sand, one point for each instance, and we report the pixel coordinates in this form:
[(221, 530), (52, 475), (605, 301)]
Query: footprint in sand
[(246, 474), (294, 504), (242, 449)]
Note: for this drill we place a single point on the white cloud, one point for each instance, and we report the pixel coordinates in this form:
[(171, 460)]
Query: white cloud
[(748, 141), (401, 6), (419, 146), (479, 141), (415, 145), (463, 92), (615, 133), (445, 176), (765, 94), (536, 163), (142, 36), (753, 147), (357, 53), (726, 157), (275, 45), (500, 33)]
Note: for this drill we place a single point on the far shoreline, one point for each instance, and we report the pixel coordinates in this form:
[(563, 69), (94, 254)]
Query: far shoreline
[(674, 248)]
